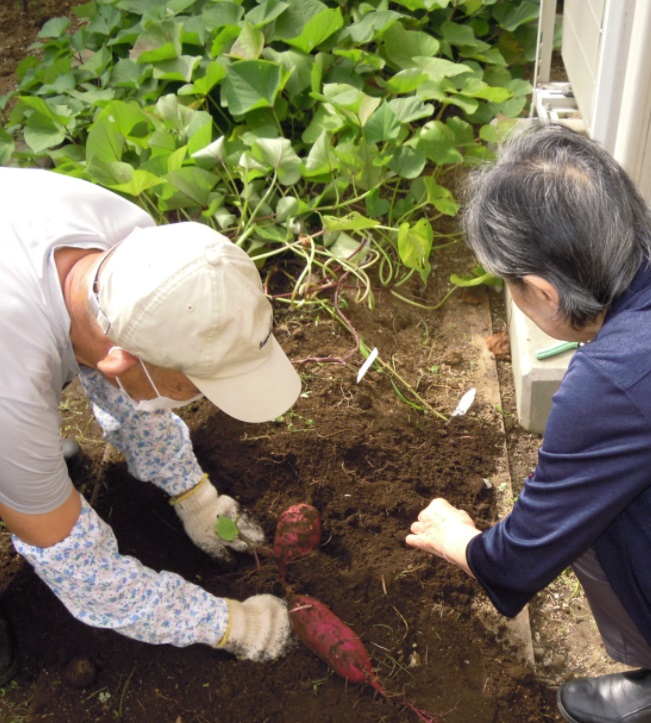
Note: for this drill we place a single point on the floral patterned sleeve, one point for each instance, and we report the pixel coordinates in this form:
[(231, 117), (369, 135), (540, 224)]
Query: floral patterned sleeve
[(104, 589), (156, 445)]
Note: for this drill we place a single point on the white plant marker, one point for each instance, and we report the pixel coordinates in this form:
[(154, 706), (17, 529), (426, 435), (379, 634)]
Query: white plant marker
[(367, 365), (465, 403)]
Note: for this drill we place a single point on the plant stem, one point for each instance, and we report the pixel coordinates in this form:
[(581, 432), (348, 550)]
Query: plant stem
[(391, 370)]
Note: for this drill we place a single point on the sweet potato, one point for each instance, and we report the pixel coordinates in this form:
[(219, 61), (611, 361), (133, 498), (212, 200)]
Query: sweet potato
[(330, 639), (298, 532)]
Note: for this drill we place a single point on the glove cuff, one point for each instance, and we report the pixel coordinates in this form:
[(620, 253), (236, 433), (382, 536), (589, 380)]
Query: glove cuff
[(224, 639), (177, 499), (258, 629)]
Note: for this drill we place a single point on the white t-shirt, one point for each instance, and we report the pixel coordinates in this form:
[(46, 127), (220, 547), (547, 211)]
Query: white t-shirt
[(41, 211)]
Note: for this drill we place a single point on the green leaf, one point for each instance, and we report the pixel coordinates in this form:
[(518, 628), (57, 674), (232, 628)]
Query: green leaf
[(463, 132), (438, 69), (355, 105), (440, 197), (436, 141), (408, 162), (186, 121), (212, 154), (63, 83), (352, 221), (215, 73), (383, 125), (7, 146), (226, 528), (160, 41), (279, 154), (54, 28), (363, 61), (42, 133), (325, 118), (370, 173), (109, 173), (104, 141), (126, 117), (467, 104), (400, 47), (223, 40), (408, 110), (251, 84), (198, 132), (266, 12), (496, 131), (296, 16), (376, 206), (97, 63), (406, 81), (278, 234), (320, 159), (180, 68), (140, 182), (195, 184), (491, 57), (290, 207), (428, 4), (370, 27), (475, 88), (511, 16), (317, 29), (298, 67), (415, 244), (249, 44), (349, 249), (222, 14), (57, 114), (460, 34), (126, 73)]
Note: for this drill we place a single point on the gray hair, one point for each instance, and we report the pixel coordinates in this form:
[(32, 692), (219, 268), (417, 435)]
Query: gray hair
[(556, 205)]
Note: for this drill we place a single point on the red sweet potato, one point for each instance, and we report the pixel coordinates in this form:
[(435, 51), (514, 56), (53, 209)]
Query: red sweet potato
[(330, 639), (298, 532)]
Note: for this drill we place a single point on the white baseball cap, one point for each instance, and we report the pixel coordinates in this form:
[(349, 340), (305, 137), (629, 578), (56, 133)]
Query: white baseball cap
[(184, 297)]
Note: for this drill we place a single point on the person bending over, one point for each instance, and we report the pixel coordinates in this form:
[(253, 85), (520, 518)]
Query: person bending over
[(150, 318)]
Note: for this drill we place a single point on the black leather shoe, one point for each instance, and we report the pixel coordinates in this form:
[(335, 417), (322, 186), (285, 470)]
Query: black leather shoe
[(8, 656), (615, 698), (70, 450)]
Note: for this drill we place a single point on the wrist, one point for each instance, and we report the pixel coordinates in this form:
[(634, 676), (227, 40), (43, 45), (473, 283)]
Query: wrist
[(455, 552), (183, 496)]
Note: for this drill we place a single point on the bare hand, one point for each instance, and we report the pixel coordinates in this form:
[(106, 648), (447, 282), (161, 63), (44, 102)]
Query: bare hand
[(445, 531)]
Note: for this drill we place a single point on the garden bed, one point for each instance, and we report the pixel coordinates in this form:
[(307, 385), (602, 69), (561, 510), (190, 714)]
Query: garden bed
[(369, 462)]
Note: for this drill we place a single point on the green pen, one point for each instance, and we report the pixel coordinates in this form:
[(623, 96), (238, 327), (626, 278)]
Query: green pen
[(557, 349)]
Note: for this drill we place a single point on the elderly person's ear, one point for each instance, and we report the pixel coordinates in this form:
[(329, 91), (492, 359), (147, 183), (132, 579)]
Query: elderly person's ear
[(116, 362), (542, 289)]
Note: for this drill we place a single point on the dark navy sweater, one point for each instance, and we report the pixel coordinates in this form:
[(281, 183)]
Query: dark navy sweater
[(592, 484)]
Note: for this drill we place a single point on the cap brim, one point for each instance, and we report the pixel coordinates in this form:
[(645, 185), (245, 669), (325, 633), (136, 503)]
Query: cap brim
[(257, 396)]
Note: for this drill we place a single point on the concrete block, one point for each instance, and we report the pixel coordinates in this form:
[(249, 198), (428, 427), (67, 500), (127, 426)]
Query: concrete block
[(535, 380)]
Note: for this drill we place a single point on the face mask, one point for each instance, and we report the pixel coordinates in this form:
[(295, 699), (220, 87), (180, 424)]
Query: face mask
[(159, 402)]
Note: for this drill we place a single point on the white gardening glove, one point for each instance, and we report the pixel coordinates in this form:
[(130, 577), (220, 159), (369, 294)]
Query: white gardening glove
[(199, 508), (258, 628)]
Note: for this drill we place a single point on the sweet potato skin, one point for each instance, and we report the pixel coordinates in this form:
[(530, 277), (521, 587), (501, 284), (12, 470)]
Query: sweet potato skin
[(298, 532), (330, 639), (338, 646)]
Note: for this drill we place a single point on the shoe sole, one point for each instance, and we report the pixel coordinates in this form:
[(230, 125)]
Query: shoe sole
[(562, 710)]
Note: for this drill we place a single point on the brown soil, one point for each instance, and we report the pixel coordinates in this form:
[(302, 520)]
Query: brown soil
[(369, 462)]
